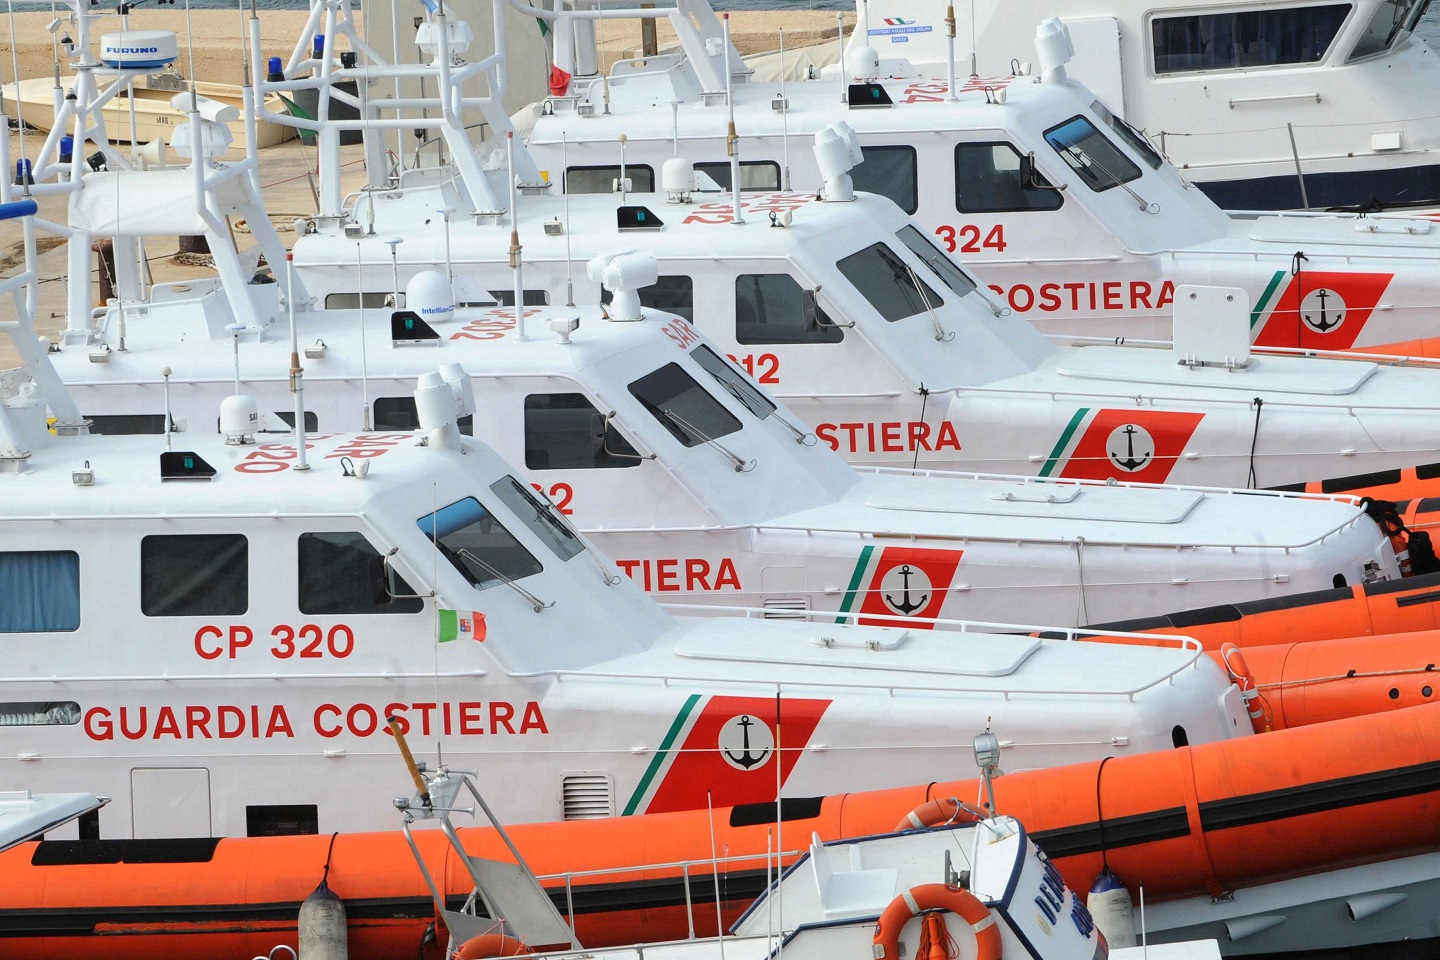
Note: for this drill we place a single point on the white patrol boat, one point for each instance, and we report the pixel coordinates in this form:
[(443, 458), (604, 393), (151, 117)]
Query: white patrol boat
[(928, 370), (1070, 217), (706, 490), (214, 636), (1314, 104)]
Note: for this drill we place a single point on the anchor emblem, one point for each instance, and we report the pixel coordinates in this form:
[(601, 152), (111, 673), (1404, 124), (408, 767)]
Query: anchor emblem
[(905, 605), (752, 749), (1133, 436), (1322, 310)]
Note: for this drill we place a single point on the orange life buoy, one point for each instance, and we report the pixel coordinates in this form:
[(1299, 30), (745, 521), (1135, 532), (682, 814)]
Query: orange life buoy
[(1239, 671), (937, 896), (937, 812), (488, 945)]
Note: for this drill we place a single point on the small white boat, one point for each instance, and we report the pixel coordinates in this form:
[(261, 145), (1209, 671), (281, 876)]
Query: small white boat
[(154, 115)]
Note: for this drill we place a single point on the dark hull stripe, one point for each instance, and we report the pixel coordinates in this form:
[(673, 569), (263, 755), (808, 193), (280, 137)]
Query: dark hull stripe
[(1405, 186)]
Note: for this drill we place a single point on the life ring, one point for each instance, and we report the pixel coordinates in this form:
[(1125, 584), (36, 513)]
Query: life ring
[(937, 812), (1239, 671), (937, 896), (488, 945)]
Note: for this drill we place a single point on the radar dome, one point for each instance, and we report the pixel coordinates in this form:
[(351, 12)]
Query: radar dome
[(430, 295)]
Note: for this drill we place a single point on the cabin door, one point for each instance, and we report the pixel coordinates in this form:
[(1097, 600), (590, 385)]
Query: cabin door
[(170, 802)]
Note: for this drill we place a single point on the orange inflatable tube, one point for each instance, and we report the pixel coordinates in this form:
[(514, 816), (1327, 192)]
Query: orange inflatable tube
[(1382, 607), (1190, 821), (1404, 483)]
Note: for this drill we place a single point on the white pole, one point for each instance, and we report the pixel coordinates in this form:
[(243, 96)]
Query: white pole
[(515, 248), (297, 375), (732, 142), (364, 360)]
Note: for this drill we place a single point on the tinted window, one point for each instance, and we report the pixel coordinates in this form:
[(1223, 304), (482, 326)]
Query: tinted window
[(39, 591), (890, 172), (888, 283), (335, 577), (754, 175), (672, 294), (533, 298), (349, 301), (398, 414), (684, 407), (735, 382), (1250, 38), (954, 278), (113, 424), (1390, 21), (312, 422), (769, 308), (477, 544), (1097, 161), (602, 179), (564, 431), (542, 521), (987, 180), (1134, 138), (194, 575), (39, 713), (282, 820)]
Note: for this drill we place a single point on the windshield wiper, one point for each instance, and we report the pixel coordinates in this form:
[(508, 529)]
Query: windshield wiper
[(741, 466), (535, 601)]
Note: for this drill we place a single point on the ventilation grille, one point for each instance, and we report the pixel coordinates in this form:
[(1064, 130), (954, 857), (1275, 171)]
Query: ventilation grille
[(586, 796), (786, 608)]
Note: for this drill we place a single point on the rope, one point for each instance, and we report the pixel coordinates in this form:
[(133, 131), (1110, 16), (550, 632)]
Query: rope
[(280, 221), (1251, 482), (1350, 675)]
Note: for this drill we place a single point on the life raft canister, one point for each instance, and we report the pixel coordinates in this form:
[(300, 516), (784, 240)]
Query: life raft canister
[(937, 896), (1239, 671)]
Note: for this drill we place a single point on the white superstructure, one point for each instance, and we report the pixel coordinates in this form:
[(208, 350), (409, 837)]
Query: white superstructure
[(213, 633), (1070, 218)]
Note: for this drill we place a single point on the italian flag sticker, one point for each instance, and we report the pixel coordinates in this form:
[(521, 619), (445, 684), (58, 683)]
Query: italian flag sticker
[(908, 581), (454, 624)]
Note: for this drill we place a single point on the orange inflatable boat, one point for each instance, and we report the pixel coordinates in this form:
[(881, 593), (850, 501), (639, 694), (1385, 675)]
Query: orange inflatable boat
[(1191, 821), (1406, 483), (1382, 607)]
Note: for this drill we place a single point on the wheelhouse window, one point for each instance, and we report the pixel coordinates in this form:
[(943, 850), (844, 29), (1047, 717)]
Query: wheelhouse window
[(1392, 21), (398, 414), (989, 178), (770, 308), (1132, 137), (538, 515), (736, 383), (754, 175), (948, 270), (506, 298), (564, 431), (123, 424), (336, 574), (39, 713), (477, 544), (1246, 38), (682, 406), (1094, 159), (195, 575), (601, 179), (674, 294), (888, 283), (39, 591), (890, 172)]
